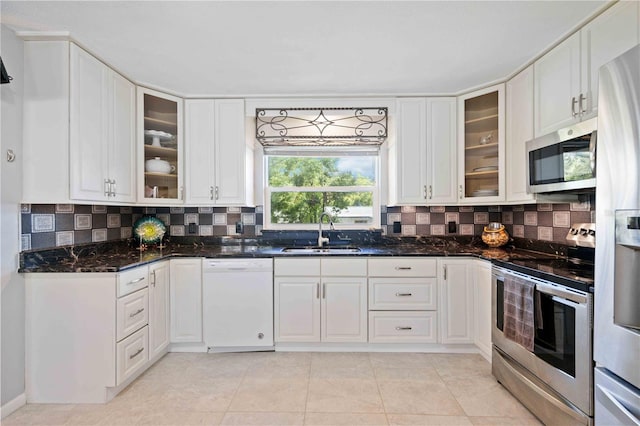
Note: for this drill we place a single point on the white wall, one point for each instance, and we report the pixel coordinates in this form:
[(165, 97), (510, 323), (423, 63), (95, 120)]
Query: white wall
[(12, 346)]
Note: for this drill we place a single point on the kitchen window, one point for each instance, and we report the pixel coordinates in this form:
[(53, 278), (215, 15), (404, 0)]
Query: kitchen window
[(301, 185)]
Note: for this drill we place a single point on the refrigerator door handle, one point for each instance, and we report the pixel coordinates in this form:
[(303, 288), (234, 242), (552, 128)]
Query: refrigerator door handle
[(615, 406)]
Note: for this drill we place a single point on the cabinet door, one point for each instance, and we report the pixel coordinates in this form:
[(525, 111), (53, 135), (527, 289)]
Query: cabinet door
[(343, 310), (482, 302), (557, 86), (122, 125), (159, 308), (230, 158), (89, 135), (456, 302), (410, 152), (441, 150), (603, 39), (199, 141), (186, 300), (519, 131), (297, 309)]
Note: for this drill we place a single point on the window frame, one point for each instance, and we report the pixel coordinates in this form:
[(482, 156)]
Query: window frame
[(268, 190)]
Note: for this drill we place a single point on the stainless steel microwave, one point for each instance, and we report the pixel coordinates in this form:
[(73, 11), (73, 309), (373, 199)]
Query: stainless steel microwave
[(564, 160)]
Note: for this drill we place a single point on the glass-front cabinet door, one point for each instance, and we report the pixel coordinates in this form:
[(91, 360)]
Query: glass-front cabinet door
[(160, 148), (481, 146)]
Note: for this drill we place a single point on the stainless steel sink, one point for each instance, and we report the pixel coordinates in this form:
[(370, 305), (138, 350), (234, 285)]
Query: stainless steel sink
[(320, 250)]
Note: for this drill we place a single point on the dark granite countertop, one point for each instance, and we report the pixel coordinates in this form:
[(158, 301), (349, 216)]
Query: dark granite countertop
[(122, 255)]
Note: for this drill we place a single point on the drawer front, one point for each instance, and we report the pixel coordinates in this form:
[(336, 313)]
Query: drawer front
[(395, 294), (402, 267), (400, 327), (299, 266), (132, 313), (132, 353), (344, 267), (133, 280)]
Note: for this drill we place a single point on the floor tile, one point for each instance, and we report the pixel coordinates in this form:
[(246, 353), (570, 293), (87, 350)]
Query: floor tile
[(412, 397), (506, 421), (460, 365), (428, 374), (421, 419), (344, 395), (258, 419), (182, 418), (337, 419), (270, 395), (400, 360)]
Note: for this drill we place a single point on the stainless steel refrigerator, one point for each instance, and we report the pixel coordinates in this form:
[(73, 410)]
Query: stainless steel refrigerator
[(617, 262)]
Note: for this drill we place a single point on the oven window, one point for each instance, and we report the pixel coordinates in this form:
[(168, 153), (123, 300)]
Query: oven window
[(562, 162), (555, 340)]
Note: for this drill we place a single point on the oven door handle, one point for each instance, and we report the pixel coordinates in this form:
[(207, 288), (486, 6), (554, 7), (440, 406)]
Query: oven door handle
[(564, 294)]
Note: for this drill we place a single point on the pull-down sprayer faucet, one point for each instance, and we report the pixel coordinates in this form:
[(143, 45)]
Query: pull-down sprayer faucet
[(321, 239)]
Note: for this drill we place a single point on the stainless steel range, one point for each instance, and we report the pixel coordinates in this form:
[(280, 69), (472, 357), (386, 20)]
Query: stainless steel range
[(542, 331)]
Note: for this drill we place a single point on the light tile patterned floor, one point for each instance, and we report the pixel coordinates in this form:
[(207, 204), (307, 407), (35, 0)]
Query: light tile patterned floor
[(294, 388)]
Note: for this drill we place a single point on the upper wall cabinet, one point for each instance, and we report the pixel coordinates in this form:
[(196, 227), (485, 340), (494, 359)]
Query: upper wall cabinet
[(219, 156), (422, 158), (78, 127), (566, 78), (102, 131), (481, 146), (160, 148), (519, 117)]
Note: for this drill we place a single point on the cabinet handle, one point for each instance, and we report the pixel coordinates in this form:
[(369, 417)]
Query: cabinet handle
[(217, 192), (574, 101), (424, 192), (107, 189), (445, 272), (113, 188), (324, 291), (317, 290), (139, 311), (153, 278), (460, 191), (403, 328), (403, 268), (135, 281), (138, 352), (583, 110), (403, 294), (211, 192), (182, 192), (430, 192)]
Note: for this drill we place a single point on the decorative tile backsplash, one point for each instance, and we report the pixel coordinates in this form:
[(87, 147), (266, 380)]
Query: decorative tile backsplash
[(53, 225)]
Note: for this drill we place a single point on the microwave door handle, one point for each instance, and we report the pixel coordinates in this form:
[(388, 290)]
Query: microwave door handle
[(563, 296)]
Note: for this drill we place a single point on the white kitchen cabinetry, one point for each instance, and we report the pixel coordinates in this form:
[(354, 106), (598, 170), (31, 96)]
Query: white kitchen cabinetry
[(566, 78), (78, 141), (402, 300), (86, 334), (481, 172), (320, 300), (422, 159), (456, 300), (519, 118), (160, 138), (482, 302), (220, 161), (186, 300), (102, 131), (159, 320)]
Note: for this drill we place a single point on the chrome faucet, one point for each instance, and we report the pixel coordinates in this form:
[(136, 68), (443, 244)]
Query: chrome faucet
[(321, 239)]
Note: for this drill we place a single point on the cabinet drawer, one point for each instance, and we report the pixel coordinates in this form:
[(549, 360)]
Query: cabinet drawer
[(344, 267), (131, 354), (394, 294), (299, 266), (402, 267), (399, 327), (132, 280), (132, 313)]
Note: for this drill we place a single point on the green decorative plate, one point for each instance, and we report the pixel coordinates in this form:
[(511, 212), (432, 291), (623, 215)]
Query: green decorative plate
[(149, 229)]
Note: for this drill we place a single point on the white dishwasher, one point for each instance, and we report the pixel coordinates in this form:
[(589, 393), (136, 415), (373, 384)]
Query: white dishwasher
[(237, 304)]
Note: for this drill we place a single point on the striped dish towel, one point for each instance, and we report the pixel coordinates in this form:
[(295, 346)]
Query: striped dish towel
[(518, 311)]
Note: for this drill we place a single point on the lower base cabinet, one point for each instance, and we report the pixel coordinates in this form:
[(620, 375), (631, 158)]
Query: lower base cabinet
[(482, 302), (186, 300), (403, 327), (456, 309), (159, 323)]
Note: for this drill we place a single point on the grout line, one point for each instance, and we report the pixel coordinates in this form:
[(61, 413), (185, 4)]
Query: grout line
[(375, 377)]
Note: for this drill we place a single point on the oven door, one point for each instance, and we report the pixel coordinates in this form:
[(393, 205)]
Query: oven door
[(562, 356)]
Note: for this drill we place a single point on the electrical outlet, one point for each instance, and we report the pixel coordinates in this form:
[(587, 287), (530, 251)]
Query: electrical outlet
[(239, 228), (452, 227), (397, 227), (192, 228)]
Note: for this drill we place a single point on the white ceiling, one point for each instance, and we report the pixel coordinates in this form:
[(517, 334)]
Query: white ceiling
[(290, 48)]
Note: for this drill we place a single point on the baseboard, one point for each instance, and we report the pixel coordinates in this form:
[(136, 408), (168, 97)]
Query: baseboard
[(13, 405)]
